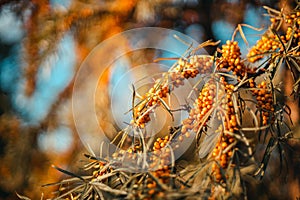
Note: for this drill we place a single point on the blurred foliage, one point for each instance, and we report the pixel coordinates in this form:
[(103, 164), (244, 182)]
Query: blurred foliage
[(24, 166)]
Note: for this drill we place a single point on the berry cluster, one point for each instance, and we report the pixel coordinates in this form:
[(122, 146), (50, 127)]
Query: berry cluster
[(271, 43), (190, 68), (231, 59), (264, 99), (198, 113), (231, 123), (290, 34), (160, 143), (293, 30), (160, 162), (184, 69), (267, 44), (223, 151), (150, 100), (221, 157), (202, 63), (128, 157), (293, 18), (161, 154), (100, 169)]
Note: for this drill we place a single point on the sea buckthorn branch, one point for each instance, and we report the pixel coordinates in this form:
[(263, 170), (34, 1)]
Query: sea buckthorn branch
[(268, 44), (265, 105), (222, 154), (100, 168), (200, 114), (102, 181), (224, 161), (202, 106), (175, 77), (231, 58), (162, 161), (264, 99), (226, 140), (281, 47), (293, 32), (275, 16), (159, 151), (216, 117), (231, 61)]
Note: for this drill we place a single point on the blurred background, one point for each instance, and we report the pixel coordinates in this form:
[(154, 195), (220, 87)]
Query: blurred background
[(43, 43)]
